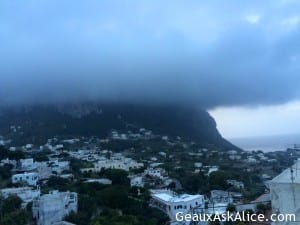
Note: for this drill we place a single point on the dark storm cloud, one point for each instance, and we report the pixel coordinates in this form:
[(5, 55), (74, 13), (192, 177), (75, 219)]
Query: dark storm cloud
[(204, 52)]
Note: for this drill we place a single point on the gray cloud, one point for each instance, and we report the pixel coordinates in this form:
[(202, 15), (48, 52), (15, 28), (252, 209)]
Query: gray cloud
[(204, 52)]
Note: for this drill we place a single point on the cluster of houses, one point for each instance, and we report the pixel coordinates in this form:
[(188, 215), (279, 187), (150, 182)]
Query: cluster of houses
[(30, 172), (171, 203), (51, 208), (4, 141), (142, 134), (116, 161), (28, 175), (284, 197), (46, 208), (157, 177)]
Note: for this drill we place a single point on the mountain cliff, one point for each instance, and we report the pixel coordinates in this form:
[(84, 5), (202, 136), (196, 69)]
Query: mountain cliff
[(42, 122)]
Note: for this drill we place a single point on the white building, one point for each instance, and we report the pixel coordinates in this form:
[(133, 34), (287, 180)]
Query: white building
[(12, 148), (220, 196), (172, 203), (9, 162), (137, 181), (156, 172), (235, 183), (212, 169), (116, 162), (63, 223), (99, 181), (48, 168), (28, 164), (28, 178), (59, 166), (26, 194), (53, 207), (251, 160), (198, 164), (285, 193), (225, 198), (163, 154), (29, 146), (235, 157)]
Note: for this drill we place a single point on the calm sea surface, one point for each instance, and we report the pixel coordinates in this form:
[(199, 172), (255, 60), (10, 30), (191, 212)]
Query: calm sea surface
[(268, 143)]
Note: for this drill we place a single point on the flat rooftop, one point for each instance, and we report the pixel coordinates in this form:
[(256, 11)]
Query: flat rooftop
[(167, 197), (290, 175)]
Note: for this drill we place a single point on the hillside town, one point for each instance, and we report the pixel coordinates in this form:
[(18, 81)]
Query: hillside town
[(176, 175)]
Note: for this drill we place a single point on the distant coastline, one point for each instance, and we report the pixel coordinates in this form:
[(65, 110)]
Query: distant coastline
[(267, 143)]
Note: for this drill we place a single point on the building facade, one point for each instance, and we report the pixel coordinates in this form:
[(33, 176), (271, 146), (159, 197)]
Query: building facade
[(285, 193), (28, 178), (53, 207), (26, 194), (172, 203)]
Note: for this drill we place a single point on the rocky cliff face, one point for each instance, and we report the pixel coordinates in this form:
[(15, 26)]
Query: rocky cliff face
[(43, 122)]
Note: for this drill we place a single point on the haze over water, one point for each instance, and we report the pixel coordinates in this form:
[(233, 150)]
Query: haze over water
[(267, 143)]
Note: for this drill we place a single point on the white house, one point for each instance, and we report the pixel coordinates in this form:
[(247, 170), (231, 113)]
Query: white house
[(137, 181), (63, 223), (28, 178), (100, 181), (172, 203), (285, 193), (235, 183), (12, 148), (163, 154), (29, 146), (53, 207), (26, 194), (251, 160), (198, 164), (28, 164), (212, 169), (8, 161), (59, 166), (220, 196), (156, 172), (117, 161), (47, 168)]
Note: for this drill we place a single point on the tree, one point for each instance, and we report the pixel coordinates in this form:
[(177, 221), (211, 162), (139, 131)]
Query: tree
[(117, 176), (11, 204), (217, 180), (40, 157), (113, 217), (115, 197), (11, 212), (16, 217), (261, 208), (194, 183), (57, 183), (16, 155), (5, 171), (231, 208)]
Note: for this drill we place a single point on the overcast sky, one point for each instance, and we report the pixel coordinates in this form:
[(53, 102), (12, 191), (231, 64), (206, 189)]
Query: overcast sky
[(239, 59)]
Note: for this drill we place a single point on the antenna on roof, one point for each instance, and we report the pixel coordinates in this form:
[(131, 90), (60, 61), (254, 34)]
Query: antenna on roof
[(292, 175), (296, 167)]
